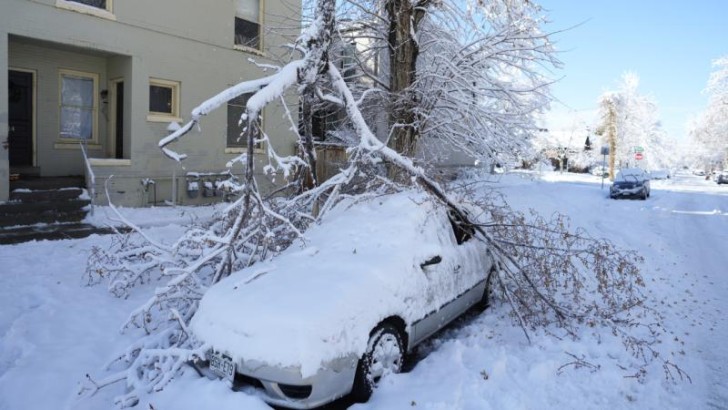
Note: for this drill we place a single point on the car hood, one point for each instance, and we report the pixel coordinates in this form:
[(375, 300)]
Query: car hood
[(319, 299)]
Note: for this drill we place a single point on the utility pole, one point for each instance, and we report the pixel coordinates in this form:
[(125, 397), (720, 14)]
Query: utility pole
[(611, 131)]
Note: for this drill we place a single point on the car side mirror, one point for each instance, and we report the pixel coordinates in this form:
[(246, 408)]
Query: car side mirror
[(432, 261)]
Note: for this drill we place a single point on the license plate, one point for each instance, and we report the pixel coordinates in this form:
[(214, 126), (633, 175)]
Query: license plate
[(222, 365)]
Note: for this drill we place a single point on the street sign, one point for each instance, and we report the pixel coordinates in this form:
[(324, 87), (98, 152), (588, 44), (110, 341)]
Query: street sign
[(638, 156), (605, 150), (638, 149)]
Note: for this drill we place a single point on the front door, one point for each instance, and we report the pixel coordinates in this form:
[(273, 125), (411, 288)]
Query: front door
[(20, 121), (119, 119)]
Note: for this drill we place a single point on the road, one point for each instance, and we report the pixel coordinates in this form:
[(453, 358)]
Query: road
[(682, 232), (698, 233)]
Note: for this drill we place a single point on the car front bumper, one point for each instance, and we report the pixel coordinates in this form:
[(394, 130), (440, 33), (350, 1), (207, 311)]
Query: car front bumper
[(284, 386), (636, 191)]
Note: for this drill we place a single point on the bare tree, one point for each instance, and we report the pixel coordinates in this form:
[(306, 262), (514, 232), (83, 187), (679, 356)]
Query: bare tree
[(461, 77)]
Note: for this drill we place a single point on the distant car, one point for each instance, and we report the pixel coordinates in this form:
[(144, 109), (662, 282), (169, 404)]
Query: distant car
[(374, 279), (630, 182), (660, 174), (600, 171), (699, 172), (722, 178)]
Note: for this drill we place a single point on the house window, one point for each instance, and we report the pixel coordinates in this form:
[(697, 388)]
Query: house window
[(78, 105), (235, 128), (99, 8), (163, 100), (348, 60), (99, 4), (247, 24)]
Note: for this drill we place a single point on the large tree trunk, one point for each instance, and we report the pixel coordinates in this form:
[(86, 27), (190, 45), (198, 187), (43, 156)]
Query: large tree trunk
[(404, 18), (307, 175)]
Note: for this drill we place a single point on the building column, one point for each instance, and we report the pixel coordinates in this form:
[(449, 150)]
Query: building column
[(4, 161)]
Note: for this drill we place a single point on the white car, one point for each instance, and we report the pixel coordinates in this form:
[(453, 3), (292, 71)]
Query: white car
[(660, 174), (600, 171), (332, 316)]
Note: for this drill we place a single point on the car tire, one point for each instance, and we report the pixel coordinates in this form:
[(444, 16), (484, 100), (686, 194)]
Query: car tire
[(385, 354), (644, 195), (484, 301)]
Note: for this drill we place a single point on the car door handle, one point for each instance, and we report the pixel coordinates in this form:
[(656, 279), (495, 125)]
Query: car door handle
[(432, 261)]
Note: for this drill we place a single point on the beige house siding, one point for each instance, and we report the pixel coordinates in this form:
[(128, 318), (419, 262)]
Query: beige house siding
[(176, 40)]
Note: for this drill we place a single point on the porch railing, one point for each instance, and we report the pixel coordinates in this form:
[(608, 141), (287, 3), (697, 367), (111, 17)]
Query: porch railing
[(90, 177)]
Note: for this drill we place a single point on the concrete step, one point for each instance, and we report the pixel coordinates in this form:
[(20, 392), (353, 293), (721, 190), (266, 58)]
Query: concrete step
[(45, 216), (45, 208), (62, 194), (51, 232), (19, 208)]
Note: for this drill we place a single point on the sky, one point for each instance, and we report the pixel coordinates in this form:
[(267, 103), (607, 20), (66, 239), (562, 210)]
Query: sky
[(669, 44)]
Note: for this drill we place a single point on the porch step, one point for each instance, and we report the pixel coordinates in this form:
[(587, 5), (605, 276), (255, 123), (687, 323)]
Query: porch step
[(45, 208), (50, 232), (48, 195)]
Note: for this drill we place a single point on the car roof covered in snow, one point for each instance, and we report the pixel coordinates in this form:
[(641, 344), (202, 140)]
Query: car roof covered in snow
[(319, 299)]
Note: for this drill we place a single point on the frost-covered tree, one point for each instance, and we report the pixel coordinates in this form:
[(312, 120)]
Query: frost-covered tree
[(457, 77), (629, 120), (709, 132)]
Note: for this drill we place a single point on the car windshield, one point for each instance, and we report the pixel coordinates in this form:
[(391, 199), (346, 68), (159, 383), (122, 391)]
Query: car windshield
[(629, 175), (627, 178)]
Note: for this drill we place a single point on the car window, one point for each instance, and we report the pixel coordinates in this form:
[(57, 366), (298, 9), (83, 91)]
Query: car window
[(630, 175), (462, 230)]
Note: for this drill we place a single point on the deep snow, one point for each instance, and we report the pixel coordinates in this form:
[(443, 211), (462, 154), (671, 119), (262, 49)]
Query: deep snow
[(54, 330)]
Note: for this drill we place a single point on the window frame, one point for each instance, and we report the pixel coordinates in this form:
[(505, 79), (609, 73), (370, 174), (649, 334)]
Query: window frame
[(107, 13), (94, 107), (242, 47), (461, 231), (244, 146), (175, 86)]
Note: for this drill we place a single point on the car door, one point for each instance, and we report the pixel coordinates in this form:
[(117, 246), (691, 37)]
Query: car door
[(451, 276)]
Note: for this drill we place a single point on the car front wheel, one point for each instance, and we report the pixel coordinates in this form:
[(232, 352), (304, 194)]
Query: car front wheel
[(484, 301), (384, 355)]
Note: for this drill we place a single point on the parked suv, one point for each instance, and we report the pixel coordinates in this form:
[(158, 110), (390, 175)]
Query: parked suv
[(630, 182)]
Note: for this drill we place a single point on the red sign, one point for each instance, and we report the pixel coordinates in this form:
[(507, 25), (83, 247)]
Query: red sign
[(638, 156)]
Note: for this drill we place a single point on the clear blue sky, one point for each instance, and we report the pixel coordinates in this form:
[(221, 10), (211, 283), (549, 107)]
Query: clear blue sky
[(669, 44)]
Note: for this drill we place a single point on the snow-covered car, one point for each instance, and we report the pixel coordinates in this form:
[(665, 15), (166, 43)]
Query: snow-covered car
[(341, 308), (660, 174), (630, 182), (722, 178), (600, 171)]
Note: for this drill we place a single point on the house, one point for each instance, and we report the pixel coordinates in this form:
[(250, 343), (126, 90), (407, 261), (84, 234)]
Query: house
[(112, 76)]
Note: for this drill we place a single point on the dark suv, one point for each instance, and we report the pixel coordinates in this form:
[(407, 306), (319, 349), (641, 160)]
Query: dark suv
[(630, 182)]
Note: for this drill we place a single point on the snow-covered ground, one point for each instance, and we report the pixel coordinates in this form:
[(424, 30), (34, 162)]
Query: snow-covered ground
[(54, 330)]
